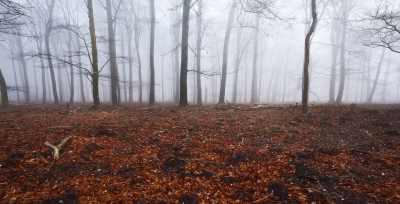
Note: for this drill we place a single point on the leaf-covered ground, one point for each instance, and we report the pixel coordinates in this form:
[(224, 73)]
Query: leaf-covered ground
[(200, 154)]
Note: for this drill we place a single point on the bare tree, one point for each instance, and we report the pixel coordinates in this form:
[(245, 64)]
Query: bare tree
[(94, 59), (112, 49), (346, 8), (376, 76), (183, 102), (199, 42), (21, 58), (45, 12), (334, 34), (307, 57), (152, 34), (225, 52), (255, 54)]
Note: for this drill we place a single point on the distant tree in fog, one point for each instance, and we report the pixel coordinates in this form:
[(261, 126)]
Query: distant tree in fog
[(45, 10)]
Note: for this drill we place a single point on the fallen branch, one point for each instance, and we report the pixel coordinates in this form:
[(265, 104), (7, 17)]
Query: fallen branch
[(261, 199), (56, 149)]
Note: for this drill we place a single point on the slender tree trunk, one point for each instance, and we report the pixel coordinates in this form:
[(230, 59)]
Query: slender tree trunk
[(225, 52), (385, 80), (123, 65), (286, 67), (255, 54), (36, 83), (95, 65), (199, 43), (130, 65), (60, 82), (342, 54), (71, 69), (49, 26), (177, 32), (152, 35), (307, 57), (113, 55), (15, 79), (137, 44), (3, 87), (335, 37), (81, 85), (24, 73), (183, 102), (371, 95)]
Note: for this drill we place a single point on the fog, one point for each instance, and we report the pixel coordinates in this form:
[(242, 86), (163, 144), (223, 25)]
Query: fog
[(279, 65)]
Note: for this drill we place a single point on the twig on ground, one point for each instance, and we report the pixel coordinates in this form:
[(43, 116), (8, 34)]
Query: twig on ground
[(261, 199), (56, 149)]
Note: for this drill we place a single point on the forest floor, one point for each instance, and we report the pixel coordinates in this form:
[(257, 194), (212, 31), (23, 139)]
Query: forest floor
[(201, 154)]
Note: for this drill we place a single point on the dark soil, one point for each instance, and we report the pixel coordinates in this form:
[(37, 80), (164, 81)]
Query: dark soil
[(201, 154)]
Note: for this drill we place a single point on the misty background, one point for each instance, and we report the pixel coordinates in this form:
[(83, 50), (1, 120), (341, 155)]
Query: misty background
[(279, 55)]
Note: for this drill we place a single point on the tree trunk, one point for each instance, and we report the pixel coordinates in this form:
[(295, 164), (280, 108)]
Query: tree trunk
[(113, 55), (3, 87), (376, 76), (177, 32), (81, 85), (130, 57), (385, 80), (95, 63), (342, 54), (36, 83), (15, 78), (24, 73), (255, 54), (71, 70), (335, 37), (123, 65), (184, 62), (152, 35), (307, 57), (49, 26), (199, 42), (137, 45), (225, 53)]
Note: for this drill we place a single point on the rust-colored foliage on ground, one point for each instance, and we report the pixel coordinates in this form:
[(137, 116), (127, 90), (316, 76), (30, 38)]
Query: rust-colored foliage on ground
[(201, 154)]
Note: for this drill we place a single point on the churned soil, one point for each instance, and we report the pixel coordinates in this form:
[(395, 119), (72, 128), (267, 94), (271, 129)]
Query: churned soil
[(201, 154)]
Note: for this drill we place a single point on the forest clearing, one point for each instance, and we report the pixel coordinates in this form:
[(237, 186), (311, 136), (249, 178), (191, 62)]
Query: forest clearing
[(200, 154)]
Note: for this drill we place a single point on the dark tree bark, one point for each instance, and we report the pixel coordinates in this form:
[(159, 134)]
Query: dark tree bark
[(4, 95), (307, 57), (94, 61), (199, 42), (184, 62), (152, 35), (225, 54)]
